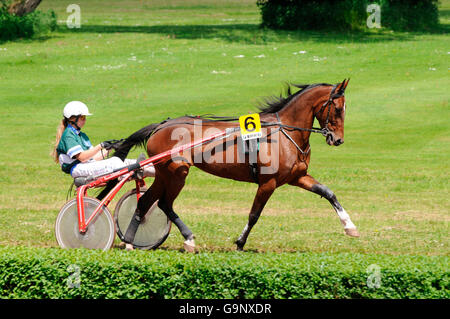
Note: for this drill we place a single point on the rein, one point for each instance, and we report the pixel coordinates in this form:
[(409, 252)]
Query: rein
[(325, 131)]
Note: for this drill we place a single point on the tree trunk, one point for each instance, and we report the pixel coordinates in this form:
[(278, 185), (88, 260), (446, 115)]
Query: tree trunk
[(23, 7)]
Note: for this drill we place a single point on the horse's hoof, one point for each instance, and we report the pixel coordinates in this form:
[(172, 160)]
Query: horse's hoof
[(352, 232), (239, 245), (189, 245), (126, 246)]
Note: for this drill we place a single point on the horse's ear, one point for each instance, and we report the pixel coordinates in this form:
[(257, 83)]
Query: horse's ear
[(345, 84), (340, 87)]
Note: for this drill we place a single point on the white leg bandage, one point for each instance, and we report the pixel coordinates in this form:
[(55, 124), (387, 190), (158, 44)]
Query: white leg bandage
[(345, 218)]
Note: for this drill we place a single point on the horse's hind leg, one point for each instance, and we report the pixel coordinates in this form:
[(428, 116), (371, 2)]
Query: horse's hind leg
[(263, 194), (309, 183), (174, 181), (145, 202)]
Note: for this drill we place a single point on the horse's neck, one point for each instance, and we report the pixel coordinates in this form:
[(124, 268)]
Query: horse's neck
[(298, 113)]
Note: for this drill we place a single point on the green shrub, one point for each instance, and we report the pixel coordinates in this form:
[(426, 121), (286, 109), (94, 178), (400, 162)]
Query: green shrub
[(53, 273), (312, 15), (415, 15), (410, 15), (34, 23)]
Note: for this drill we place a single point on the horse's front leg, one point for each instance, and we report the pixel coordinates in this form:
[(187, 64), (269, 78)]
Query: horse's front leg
[(309, 183), (265, 190)]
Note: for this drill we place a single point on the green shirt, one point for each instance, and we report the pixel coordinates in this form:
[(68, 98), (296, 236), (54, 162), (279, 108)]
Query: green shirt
[(72, 143)]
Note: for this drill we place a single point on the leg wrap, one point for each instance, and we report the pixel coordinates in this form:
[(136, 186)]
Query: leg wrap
[(132, 228), (173, 217), (323, 191)]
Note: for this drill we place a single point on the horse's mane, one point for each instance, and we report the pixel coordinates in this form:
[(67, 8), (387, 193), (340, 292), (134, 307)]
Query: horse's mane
[(274, 103)]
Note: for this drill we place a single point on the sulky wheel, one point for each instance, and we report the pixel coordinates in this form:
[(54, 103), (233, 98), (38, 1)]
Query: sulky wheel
[(100, 232), (152, 231)]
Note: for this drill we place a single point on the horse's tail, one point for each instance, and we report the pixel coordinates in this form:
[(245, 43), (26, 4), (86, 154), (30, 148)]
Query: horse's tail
[(137, 138)]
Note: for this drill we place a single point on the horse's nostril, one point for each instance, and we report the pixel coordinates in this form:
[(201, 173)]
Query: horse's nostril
[(339, 142)]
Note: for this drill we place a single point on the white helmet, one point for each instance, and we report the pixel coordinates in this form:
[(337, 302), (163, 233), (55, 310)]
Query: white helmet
[(75, 108)]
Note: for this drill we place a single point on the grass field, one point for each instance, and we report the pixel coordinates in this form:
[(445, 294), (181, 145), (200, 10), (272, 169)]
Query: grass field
[(135, 63)]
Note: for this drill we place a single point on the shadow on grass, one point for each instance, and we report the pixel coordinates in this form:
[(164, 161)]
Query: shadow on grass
[(41, 38), (246, 33), (250, 33)]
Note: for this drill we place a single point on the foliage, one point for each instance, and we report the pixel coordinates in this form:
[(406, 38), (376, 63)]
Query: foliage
[(56, 273), (13, 27), (311, 15), (347, 14), (409, 15)]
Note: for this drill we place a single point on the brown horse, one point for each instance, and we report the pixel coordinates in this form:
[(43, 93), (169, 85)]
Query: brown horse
[(280, 156)]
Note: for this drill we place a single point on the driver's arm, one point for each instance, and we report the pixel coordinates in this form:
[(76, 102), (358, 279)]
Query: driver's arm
[(88, 154), (101, 155)]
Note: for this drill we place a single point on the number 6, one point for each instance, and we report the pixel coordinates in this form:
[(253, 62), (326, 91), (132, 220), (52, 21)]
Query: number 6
[(248, 123)]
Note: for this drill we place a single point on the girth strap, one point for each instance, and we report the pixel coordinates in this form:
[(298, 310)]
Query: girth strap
[(254, 172)]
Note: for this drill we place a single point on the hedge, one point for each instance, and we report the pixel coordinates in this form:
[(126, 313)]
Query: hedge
[(410, 15), (339, 15), (79, 273)]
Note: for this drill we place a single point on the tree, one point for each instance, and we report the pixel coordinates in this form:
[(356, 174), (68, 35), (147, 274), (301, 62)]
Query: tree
[(23, 7)]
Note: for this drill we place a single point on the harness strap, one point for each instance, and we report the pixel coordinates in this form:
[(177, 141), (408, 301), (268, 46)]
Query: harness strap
[(254, 172), (212, 118), (293, 128), (305, 152)]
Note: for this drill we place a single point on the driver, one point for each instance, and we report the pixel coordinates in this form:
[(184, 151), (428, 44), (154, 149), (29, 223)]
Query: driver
[(75, 153)]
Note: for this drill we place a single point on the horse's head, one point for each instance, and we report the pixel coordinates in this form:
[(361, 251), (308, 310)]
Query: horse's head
[(330, 112)]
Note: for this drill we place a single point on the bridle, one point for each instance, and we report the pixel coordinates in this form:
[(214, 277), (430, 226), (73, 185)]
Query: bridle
[(325, 131)]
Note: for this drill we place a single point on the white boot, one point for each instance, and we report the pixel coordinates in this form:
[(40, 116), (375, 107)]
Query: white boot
[(126, 246), (189, 245)]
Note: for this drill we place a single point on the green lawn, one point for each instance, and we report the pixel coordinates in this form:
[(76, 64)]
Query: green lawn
[(135, 62)]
